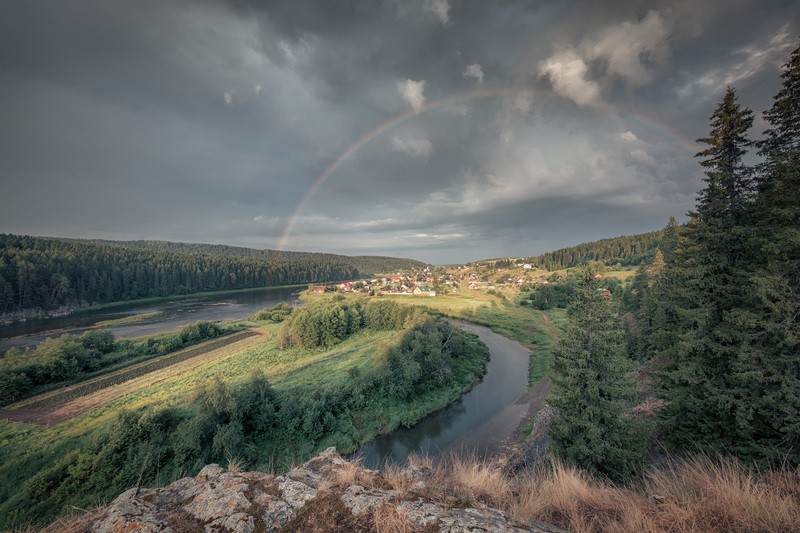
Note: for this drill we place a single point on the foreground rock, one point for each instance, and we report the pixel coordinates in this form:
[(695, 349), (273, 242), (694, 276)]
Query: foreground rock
[(325, 494)]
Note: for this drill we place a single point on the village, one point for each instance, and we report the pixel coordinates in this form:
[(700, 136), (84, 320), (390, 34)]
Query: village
[(504, 276)]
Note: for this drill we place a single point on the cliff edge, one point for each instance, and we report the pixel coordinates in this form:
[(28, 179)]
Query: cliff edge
[(326, 494)]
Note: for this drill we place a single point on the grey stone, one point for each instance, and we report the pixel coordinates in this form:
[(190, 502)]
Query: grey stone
[(360, 500), (130, 512), (296, 493), (243, 502), (235, 523)]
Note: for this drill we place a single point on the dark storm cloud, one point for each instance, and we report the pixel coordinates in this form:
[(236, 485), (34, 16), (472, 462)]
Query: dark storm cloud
[(210, 121)]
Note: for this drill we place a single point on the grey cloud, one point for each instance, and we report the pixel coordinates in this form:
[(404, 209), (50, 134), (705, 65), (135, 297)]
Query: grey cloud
[(115, 121)]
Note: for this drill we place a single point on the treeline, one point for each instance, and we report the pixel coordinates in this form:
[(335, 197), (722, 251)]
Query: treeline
[(366, 264), (626, 250), (714, 317), (38, 273), (70, 357), (328, 323), (249, 423)]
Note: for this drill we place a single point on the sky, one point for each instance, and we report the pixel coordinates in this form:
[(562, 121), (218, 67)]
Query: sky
[(441, 130)]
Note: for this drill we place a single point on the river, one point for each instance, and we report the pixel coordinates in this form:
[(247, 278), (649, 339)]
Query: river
[(480, 421), (175, 313)]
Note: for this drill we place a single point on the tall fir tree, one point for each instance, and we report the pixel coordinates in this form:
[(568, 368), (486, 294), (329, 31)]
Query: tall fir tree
[(593, 390), (770, 368), (706, 403)]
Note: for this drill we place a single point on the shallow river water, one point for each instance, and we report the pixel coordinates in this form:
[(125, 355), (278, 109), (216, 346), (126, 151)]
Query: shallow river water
[(480, 421), (174, 314)]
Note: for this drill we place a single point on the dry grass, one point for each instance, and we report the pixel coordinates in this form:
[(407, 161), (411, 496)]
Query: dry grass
[(692, 495), (420, 462), (565, 496), (388, 518), (79, 521), (353, 473), (480, 481), (399, 478), (467, 480), (725, 497), (326, 513)]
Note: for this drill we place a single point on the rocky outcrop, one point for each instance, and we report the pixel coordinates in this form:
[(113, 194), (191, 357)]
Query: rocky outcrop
[(325, 494)]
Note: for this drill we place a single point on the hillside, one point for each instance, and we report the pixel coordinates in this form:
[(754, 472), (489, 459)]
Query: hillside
[(367, 264), (626, 250), (41, 273)]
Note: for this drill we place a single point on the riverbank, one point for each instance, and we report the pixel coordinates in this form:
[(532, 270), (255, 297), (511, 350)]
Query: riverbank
[(65, 311)]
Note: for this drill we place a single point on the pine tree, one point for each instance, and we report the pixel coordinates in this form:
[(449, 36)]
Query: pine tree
[(770, 368), (707, 407), (593, 391)]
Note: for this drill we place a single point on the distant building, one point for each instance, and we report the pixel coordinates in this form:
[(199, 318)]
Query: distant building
[(424, 290)]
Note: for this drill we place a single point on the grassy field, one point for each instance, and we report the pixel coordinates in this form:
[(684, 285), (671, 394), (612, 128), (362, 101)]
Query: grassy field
[(91, 410), (66, 402), (536, 329)]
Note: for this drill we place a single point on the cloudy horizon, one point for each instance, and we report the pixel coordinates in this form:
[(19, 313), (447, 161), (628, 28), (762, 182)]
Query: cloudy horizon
[(440, 130)]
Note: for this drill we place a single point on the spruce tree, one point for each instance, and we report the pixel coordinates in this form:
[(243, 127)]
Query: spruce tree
[(593, 390), (707, 405), (769, 369)]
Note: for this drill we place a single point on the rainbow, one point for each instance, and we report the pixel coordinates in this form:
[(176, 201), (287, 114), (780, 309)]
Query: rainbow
[(367, 137)]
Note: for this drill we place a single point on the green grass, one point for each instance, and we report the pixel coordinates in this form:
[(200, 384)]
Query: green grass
[(28, 450), (533, 328), (132, 319)]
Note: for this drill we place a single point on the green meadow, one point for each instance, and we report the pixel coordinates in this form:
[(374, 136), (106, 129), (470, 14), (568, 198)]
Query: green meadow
[(256, 402)]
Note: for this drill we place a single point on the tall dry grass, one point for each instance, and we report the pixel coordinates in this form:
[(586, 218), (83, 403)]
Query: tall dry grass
[(692, 495), (389, 518), (689, 495)]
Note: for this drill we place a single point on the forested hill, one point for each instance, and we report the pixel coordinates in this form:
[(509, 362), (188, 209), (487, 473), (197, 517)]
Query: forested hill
[(40, 273), (366, 264), (626, 250)]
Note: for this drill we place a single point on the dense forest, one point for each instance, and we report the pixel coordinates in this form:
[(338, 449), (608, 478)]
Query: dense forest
[(38, 273), (366, 264), (713, 318), (626, 250)]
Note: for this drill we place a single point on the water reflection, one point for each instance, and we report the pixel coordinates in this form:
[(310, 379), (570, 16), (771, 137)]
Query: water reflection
[(174, 314), (479, 421)]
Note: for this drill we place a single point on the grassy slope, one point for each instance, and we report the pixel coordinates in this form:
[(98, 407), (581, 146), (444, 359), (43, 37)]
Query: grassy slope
[(531, 327), (27, 449)]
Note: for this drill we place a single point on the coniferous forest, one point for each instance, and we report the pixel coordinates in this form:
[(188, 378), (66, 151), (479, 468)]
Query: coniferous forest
[(625, 250), (713, 318), (39, 273)]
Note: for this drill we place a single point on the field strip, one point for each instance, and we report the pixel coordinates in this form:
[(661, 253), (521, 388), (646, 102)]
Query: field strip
[(56, 406)]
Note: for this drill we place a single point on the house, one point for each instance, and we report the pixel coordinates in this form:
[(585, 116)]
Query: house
[(473, 286), (424, 290), (320, 288), (527, 266)]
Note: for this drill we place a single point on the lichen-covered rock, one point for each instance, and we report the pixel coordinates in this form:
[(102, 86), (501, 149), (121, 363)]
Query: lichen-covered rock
[(296, 493), (220, 501), (131, 512), (472, 520), (361, 500)]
